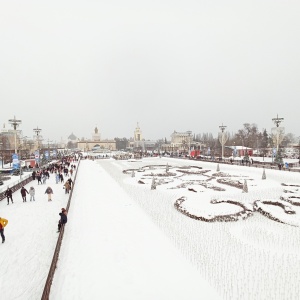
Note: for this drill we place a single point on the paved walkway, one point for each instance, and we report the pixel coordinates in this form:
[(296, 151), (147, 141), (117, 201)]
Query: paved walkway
[(111, 249)]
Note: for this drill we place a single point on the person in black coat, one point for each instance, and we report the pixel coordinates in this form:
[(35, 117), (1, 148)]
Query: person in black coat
[(70, 182), (63, 218), (23, 193), (33, 175), (39, 178), (61, 177), (8, 194)]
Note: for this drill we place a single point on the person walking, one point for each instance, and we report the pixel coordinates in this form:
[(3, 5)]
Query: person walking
[(32, 193), (70, 182), (63, 219), (49, 192), (61, 177), (3, 223), (44, 178), (8, 194), (67, 187), (33, 175), (39, 178), (23, 193), (57, 178)]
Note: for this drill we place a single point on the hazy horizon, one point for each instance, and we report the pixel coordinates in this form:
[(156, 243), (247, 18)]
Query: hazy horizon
[(169, 65)]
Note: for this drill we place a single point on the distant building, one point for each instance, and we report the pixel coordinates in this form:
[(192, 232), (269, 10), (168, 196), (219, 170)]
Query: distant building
[(138, 143), (10, 138), (96, 144), (180, 141), (72, 138), (239, 151)]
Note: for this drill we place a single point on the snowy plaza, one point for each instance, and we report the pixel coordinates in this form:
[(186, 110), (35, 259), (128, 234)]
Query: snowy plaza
[(158, 228)]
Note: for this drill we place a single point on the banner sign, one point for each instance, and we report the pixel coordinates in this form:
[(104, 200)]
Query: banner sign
[(234, 151), (37, 156), (15, 161)]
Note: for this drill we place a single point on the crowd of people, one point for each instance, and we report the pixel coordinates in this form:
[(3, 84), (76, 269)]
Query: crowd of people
[(60, 170)]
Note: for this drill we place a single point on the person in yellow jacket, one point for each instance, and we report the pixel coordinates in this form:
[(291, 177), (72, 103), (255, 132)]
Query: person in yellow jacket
[(3, 223)]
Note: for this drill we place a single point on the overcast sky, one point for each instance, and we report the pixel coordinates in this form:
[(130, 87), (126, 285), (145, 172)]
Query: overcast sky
[(68, 66)]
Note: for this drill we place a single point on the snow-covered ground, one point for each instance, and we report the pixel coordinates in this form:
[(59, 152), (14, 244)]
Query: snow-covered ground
[(125, 240)]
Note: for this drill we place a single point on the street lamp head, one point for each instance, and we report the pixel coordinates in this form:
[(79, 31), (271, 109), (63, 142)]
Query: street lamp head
[(222, 127), (277, 121)]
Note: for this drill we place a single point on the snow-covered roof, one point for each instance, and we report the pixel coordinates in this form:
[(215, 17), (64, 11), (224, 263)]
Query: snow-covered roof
[(238, 147)]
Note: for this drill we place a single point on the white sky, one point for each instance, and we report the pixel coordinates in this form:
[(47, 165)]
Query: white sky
[(126, 241), (169, 65)]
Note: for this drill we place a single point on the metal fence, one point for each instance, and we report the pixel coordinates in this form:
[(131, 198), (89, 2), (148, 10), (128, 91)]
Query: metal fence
[(16, 185), (293, 167)]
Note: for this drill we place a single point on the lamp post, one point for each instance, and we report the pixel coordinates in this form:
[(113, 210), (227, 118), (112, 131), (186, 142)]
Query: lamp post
[(223, 138), (37, 131), (15, 123), (30, 144), (189, 140), (20, 153), (20, 160), (1, 145), (277, 122)]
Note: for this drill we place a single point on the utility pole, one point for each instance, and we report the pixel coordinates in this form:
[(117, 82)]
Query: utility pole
[(15, 123), (37, 131), (190, 134), (277, 122), (223, 138)]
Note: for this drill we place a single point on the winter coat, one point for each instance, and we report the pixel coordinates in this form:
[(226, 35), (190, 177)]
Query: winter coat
[(23, 192), (8, 193), (49, 191), (3, 223), (63, 218), (67, 185), (32, 191)]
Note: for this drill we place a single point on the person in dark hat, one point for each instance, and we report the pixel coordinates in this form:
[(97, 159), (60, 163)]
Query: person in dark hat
[(8, 194), (63, 219)]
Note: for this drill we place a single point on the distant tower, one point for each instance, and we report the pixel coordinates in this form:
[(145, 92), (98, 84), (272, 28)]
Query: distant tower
[(138, 134), (138, 138), (96, 135)]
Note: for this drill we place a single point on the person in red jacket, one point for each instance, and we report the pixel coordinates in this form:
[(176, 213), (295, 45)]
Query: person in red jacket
[(3, 223)]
